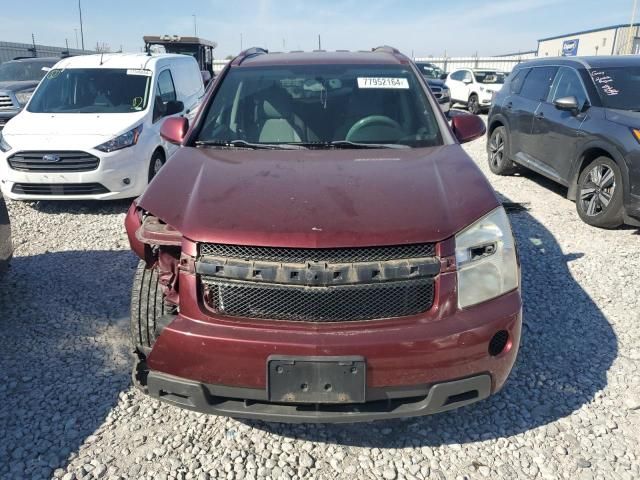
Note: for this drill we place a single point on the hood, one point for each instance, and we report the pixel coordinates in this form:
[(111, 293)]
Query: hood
[(319, 198), (435, 83), (623, 117), (15, 86), (101, 125)]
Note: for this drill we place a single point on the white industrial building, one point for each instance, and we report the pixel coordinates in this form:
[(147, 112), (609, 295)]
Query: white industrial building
[(613, 40)]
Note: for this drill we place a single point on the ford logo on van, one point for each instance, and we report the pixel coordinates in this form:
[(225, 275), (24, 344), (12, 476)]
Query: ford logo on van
[(51, 157)]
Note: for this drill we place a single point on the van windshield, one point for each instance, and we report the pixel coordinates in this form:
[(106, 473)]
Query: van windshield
[(92, 90), (321, 106)]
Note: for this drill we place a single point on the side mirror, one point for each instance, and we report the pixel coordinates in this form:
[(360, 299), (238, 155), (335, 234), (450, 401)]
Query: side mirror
[(444, 76), (174, 129), (567, 104), (467, 127), (172, 107), (467, 81)]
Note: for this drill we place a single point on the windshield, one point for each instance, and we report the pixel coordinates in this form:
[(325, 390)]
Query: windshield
[(30, 71), (316, 105), (489, 77), (92, 90), (618, 87), (429, 70)]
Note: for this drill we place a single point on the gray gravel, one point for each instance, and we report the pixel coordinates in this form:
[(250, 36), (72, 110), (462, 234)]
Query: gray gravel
[(570, 410)]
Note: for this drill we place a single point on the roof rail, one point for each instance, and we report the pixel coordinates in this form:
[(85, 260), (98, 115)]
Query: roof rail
[(386, 49)]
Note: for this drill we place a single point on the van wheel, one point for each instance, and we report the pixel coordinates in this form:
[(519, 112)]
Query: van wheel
[(157, 162), (147, 306), (497, 149), (599, 201), (474, 104)]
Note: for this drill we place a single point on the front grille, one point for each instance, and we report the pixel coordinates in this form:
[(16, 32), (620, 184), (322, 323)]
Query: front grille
[(437, 91), (319, 304), (66, 161), (58, 189), (6, 103), (329, 255)]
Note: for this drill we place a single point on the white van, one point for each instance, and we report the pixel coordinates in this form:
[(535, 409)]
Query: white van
[(91, 130)]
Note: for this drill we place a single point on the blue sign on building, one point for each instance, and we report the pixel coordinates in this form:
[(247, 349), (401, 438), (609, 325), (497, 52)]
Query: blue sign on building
[(570, 47)]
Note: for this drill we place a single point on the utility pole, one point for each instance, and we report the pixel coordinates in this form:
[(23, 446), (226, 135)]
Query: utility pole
[(319, 43), (81, 30), (76, 32), (33, 49), (195, 26), (240, 41)]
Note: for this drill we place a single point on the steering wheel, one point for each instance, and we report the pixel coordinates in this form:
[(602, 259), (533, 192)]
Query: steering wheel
[(379, 121)]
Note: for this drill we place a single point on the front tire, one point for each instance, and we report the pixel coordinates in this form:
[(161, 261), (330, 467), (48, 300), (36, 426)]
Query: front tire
[(474, 104), (497, 151), (147, 306), (157, 162), (599, 201)]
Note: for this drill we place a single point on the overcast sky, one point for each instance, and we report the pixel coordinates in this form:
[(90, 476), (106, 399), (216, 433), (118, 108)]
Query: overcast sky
[(459, 27)]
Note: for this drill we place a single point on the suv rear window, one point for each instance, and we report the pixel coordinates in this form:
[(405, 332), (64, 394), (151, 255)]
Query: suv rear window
[(537, 84), (314, 105)]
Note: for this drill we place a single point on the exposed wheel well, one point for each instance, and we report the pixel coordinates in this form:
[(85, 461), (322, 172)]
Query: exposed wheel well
[(495, 124)]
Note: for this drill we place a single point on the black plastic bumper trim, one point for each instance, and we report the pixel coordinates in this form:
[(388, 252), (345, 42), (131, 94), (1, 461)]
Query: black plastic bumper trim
[(252, 403)]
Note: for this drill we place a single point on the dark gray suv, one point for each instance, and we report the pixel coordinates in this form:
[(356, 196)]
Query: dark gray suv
[(18, 79), (577, 122)]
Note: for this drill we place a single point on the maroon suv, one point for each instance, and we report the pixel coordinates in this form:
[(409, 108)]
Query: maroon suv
[(321, 249)]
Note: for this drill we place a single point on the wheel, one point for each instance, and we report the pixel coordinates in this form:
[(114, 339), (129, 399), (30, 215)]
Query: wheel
[(474, 104), (497, 149), (147, 306), (157, 162), (599, 201)]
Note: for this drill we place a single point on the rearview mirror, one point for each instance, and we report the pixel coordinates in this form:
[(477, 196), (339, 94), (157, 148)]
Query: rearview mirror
[(172, 107), (467, 127), (568, 104), (174, 129)]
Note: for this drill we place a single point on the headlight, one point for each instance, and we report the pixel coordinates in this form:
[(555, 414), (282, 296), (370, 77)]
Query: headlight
[(486, 259), (23, 97), (121, 141), (4, 146)]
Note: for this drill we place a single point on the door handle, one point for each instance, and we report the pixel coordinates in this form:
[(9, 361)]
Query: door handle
[(540, 115), (509, 105)]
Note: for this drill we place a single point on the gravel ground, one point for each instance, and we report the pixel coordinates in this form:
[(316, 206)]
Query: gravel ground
[(570, 410)]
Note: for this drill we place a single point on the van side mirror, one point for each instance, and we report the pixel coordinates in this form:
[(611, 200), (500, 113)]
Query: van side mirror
[(206, 77), (174, 129), (467, 127), (567, 104), (172, 107), (467, 81)]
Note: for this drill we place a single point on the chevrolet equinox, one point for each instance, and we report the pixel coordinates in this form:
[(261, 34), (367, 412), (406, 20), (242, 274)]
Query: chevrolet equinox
[(321, 249)]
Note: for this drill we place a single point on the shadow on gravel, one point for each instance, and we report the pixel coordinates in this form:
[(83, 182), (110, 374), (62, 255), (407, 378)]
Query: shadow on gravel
[(65, 354), (566, 349), (94, 207)]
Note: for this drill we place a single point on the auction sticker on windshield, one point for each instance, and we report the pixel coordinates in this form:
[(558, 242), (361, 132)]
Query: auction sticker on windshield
[(383, 82)]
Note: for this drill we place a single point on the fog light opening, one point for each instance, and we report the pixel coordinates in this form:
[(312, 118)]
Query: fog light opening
[(126, 181), (500, 343)]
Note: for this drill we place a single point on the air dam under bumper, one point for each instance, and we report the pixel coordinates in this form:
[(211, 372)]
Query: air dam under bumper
[(252, 404)]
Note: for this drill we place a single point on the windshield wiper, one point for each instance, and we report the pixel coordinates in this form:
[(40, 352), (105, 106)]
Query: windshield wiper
[(245, 144), (350, 144)]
